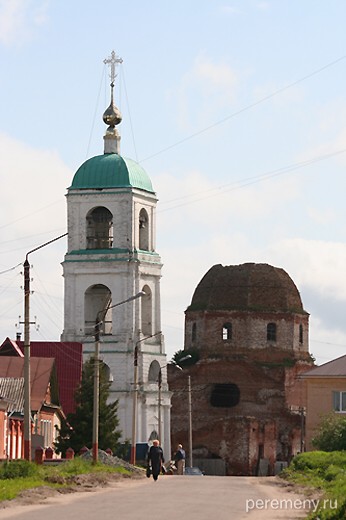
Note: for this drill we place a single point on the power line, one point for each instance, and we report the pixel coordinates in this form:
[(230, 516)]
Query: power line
[(246, 108)]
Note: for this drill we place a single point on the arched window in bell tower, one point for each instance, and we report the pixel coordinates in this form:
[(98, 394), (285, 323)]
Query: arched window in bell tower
[(147, 312), (154, 370), (143, 230), (99, 229), (97, 299)]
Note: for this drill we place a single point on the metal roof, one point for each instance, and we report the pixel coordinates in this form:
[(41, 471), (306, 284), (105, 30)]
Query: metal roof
[(68, 360), (12, 391), (43, 376), (111, 171), (334, 368)]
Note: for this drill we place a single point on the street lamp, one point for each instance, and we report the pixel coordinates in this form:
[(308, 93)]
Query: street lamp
[(27, 382), (96, 405), (135, 396), (159, 381)]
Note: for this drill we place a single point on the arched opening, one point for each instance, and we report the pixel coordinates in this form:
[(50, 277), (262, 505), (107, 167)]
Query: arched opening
[(99, 231), (106, 371), (301, 334), (143, 230), (225, 395), (227, 332), (97, 299), (147, 303), (271, 332), (154, 371)]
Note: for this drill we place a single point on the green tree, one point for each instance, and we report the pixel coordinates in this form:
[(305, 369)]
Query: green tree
[(180, 354), (76, 431), (331, 434)]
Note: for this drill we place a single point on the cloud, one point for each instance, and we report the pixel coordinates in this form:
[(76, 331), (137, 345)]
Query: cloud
[(204, 92), (33, 212), (20, 18), (314, 264)]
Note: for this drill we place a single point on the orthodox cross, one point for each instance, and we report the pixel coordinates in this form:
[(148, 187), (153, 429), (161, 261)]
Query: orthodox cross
[(112, 61)]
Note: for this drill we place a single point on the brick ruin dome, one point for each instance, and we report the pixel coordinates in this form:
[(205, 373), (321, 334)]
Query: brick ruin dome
[(247, 287)]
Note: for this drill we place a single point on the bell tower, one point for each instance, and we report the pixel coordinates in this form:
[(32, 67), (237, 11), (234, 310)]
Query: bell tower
[(112, 269)]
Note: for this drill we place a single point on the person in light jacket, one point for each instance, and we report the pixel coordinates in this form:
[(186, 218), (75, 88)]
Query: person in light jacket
[(179, 459)]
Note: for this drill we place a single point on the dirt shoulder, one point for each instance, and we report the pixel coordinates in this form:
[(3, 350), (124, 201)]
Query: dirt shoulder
[(89, 482)]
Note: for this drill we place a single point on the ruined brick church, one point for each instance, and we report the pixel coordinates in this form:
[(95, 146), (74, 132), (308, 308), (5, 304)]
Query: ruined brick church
[(249, 332)]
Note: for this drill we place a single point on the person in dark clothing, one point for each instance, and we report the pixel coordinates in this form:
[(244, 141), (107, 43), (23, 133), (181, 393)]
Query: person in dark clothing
[(155, 458)]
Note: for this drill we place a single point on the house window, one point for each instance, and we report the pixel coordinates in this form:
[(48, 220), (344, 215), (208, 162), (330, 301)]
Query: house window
[(339, 401), (301, 334), (271, 332), (46, 432), (227, 332)]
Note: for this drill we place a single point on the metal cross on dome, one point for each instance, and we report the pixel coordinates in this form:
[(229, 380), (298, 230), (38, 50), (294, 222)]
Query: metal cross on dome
[(112, 61)]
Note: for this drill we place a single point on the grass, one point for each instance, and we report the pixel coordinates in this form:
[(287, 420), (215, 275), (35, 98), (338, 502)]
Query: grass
[(19, 475), (326, 473)]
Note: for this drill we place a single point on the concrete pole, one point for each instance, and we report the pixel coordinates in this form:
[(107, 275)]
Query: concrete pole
[(190, 419), (96, 406), (134, 409), (27, 379), (159, 406)]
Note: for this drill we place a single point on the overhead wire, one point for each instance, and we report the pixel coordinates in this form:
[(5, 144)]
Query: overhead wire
[(245, 109)]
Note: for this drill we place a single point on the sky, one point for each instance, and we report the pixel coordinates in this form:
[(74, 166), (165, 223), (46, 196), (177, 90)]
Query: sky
[(235, 108)]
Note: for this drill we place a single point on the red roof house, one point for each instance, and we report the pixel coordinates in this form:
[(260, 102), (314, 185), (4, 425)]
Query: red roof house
[(68, 360)]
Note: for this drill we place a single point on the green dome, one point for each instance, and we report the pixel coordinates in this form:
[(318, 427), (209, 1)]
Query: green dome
[(110, 171)]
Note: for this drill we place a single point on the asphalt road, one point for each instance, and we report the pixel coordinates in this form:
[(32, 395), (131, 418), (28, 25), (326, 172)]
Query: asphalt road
[(171, 498)]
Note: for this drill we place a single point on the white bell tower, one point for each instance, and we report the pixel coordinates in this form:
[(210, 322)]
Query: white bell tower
[(111, 257)]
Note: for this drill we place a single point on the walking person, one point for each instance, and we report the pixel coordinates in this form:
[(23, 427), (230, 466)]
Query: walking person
[(155, 458), (179, 459)]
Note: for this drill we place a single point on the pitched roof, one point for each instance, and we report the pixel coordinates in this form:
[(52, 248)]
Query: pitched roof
[(334, 368), (42, 372), (69, 363), (12, 391)]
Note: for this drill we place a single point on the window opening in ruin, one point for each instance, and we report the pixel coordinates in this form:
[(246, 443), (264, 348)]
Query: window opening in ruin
[(339, 401), (99, 229), (227, 332), (143, 230), (271, 332), (301, 333), (194, 332), (225, 395)]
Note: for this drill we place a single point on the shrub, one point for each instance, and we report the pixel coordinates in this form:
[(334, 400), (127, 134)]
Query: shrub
[(331, 435), (17, 469)]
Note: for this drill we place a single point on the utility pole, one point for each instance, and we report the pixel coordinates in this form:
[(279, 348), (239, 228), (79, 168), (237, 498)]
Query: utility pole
[(135, 396), (95, 439), (159, 405), (190, 419), (99, 320), (134, 408), (27, 376)]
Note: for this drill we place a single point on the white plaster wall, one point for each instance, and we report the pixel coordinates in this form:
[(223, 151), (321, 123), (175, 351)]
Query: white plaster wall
[(124, 273)]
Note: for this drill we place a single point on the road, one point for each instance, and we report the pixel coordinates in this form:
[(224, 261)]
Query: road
[(171, 498)]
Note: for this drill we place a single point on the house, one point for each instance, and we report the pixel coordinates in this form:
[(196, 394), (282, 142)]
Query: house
[(68, 360), (46, 412), (325, 393)]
